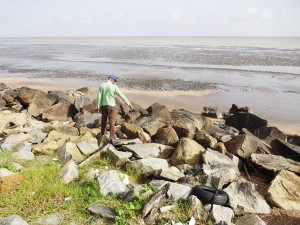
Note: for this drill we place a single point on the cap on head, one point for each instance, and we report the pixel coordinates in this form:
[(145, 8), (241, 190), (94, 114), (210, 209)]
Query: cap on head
[(112, 76)]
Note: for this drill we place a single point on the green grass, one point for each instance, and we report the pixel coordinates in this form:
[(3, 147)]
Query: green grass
[(42, 193)]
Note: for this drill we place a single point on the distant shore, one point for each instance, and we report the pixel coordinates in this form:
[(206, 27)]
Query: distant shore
[(192, 100)]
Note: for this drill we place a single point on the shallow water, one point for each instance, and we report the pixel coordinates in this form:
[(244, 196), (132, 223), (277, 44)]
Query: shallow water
[(262, 73)]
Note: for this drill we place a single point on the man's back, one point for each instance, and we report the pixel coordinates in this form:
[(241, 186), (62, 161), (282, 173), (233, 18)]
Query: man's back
[(106, 94)]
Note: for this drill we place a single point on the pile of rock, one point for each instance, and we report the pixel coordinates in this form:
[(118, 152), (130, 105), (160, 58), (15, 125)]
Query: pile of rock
[(178, 147)]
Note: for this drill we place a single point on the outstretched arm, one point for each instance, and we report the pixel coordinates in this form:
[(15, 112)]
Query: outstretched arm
[(98, 100), (123, 97)]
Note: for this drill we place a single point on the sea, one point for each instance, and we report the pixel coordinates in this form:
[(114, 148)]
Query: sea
[(261, 73)]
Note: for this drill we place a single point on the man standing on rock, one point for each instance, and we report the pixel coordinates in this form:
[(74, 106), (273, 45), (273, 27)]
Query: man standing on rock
[(106, 103)]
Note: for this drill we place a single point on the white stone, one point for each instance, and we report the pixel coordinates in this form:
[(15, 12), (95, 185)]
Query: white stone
[(13, 220), (69, 172), (5, 172), (111, 182)]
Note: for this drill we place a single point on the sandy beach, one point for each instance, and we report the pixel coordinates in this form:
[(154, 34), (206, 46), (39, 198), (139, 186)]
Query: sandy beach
[(193, 101)]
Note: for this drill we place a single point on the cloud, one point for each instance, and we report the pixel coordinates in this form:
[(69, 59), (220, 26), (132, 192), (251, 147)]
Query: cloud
[(64, 19), (176, 17), (248, 13), (119, 15), (267, 14), (252, 13)]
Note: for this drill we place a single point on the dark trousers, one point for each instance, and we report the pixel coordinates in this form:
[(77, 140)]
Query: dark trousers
[(108, 112)]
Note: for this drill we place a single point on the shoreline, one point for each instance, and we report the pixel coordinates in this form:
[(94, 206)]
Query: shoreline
[(193, 101)]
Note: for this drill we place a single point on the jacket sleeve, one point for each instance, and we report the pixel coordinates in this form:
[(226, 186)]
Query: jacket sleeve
[(98, 98), (122, 96)]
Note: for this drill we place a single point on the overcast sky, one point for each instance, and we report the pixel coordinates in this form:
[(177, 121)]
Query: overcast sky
[(149, 18)]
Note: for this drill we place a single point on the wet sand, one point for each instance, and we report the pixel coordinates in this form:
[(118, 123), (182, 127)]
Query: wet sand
[(190, 100)]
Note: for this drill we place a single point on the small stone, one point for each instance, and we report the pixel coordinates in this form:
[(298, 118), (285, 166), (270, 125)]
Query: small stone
[(13, 220), (103, 211)]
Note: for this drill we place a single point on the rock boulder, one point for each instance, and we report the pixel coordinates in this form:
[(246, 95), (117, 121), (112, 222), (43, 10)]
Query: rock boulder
[(246, 120), (284, 191), (273, 164), (244, 198), (285, 149), (187, 151), (59, 111)]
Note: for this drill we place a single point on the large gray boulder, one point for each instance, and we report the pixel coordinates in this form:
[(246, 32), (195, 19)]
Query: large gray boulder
[(37, 136), (244, 198), (273, 164), (26, 95), (212, 129), (25, 146), (268, 134), (119, 158), (131, 130), (59, 96), (23, 155), (69, 172), (187, 152), (88, 146), (262, 145), (285, 149), (148, 166), (243, 145), (176, 191), (246, 120), (111, 182), (13, 220), (151, 125), (103, 211), (250, 219), (39, 104), (35, 124), (87, 120), (220, 213), (185, 123), (159, 111), (82, 102), (70, 151), (16, 130), (13, 141), (204, 139), (167, 136), (219, 169), (63, 132), (284, 191), (59, 111), (48, 147), (171, 174), (150, 150), (18, 119)]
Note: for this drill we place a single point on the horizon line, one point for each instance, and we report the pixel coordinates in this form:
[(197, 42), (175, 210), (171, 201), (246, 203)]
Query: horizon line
[(147, 36)]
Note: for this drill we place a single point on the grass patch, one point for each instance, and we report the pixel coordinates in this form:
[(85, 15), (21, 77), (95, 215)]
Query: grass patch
[(40, 193)]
